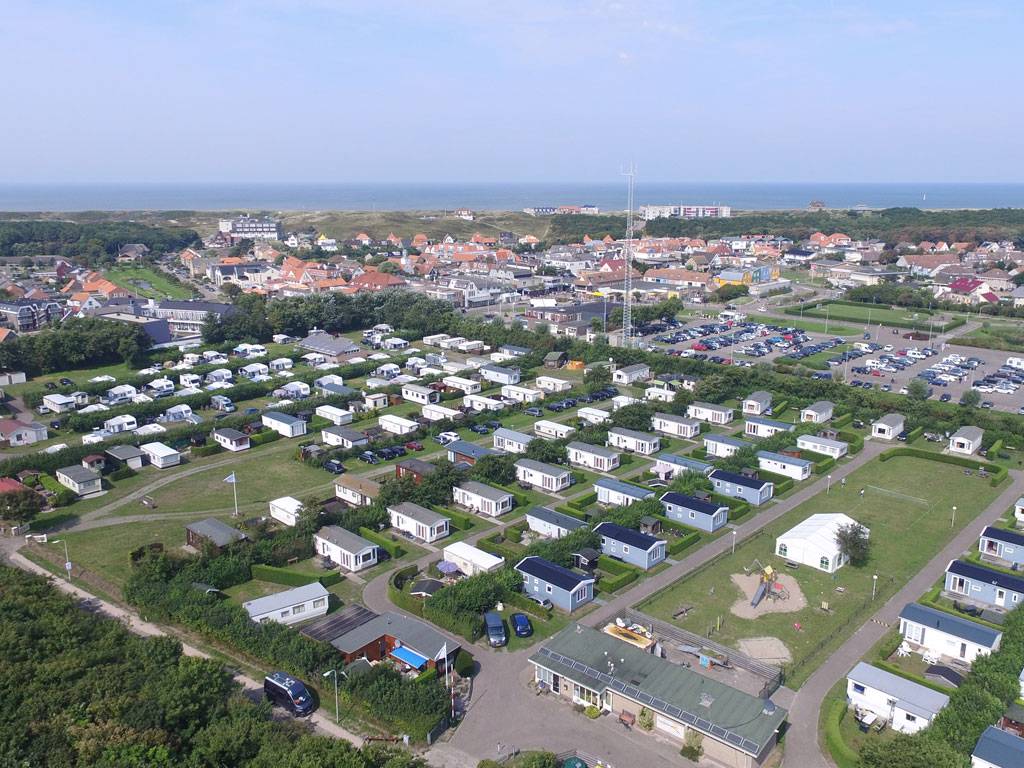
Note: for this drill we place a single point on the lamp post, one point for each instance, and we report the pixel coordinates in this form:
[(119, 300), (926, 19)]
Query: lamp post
[(828, 486), (952, 521), (734, 541), (874, 585), (67, 558), (334, 673)]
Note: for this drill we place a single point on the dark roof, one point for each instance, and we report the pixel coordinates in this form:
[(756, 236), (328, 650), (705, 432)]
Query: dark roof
[(123, 452), (220, 533), (551, 573), (986, 575), (425, 586), (965, 629), (419, 466), (339, 623), (472, 450), (691, 502), (732, 477), (568, 522), (1000, 748), (1001, 534), (626, 535), (230, 434)]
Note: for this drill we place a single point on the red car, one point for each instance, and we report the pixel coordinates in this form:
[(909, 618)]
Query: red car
[(876, 372), (412, 445), (700, 347)]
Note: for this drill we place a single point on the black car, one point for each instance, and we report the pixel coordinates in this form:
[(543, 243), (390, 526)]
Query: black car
[(369, 457), (50, 385), (493, 424), (520, 624), (334, 466), (66, 382), (480, 429), (386, 453), (535, 412), (55, 424), (945, 397), (285, 691)]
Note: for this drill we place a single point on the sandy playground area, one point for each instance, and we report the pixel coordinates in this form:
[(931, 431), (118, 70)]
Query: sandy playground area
[(748, 585), (769, 649)]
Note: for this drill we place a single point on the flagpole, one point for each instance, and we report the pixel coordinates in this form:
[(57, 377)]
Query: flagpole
[(234, 490)]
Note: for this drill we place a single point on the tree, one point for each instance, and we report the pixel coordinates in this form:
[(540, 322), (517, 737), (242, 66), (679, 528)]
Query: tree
[(919, 750), (388, 268), (854, 543), (548, 451), (597, 377), (495, 469), (636, 416), (970, 398), (231, 290), (729, 292), (917, 390), (20, 506)]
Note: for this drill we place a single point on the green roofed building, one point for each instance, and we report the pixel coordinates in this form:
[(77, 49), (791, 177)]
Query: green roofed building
[(587, 667)]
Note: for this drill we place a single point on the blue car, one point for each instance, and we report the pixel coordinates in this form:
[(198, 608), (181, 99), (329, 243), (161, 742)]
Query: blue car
[(520, 625)]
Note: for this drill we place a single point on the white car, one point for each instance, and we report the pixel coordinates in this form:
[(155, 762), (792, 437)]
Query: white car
[(445, 438)]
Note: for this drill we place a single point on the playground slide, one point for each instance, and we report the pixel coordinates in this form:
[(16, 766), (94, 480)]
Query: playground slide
[(759, 594)]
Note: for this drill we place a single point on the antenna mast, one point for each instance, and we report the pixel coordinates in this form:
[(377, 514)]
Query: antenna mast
[(627, 282)]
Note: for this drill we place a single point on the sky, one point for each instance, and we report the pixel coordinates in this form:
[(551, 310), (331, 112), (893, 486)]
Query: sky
[(534, 90)]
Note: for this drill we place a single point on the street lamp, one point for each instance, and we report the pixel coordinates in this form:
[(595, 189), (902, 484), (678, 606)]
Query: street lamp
[(828, 486), (67, 558), (334, 673), (734, 541), (952, 522), (874, 585)]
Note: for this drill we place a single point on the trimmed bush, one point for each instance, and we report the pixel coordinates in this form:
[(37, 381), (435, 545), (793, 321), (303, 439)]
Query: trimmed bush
[(684, 542), (393, 548), (583, 501), (571, 512), (464, 664), (527, 605), (915, 433), (283, 576), (264, 437), (841, 752), (123, 473), (841, 421), (781, 482), (611, 565), (824, 465), (610, 583), (207, 450), (330, 579)]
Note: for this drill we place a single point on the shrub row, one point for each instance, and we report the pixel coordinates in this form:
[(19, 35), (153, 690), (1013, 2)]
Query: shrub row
[(122, 473), (583, 501), (490, 545), (998, 473), (854, 440), (684, 542), (843, 755), (458, 520), (468, 625), (206, 450), (823, 465), (915, 433), (781, 482), (842, 421), (572, 512), (264, 437), (610, 583), (276, 575), (524, 603), (613, 566), (393, 548)]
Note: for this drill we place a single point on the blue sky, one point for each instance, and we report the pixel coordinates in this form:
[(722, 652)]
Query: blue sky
[(535, 90)]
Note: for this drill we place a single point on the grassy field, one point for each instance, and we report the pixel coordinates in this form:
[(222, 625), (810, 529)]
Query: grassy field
[(818, 359), (813, 326), (868, 314), (906, 531), (147, 282), (1009, 337)]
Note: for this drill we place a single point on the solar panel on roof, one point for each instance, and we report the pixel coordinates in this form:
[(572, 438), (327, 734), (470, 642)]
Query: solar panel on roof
[(659, 704), (687, 718), (631, 691), (673, 710), (645, 698), (703, 724), (617, 685), (604, 677), (719, 731), (733, 738)]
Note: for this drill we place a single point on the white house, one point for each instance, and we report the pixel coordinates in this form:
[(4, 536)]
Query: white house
[(888, 427), (482, 498), (659, 394), (421, 523), (633, 441), (594, 457), (356, 491), (437, 412), (16, 433), (124, 423), (345, 437), (510, 441), (344, 548), (813, 542), (632, 373), (781, 464), (594, 415), (966, 441), (470, 560), (230, 439), (286, 510), (480, 403), (667, 466), (676, 426), (552, 430), (284, 424), (497, 374), (817, 413), (467, 386), (161, 456), (291, 606), (757, 403), (337, 416), (79, 479), (552, 384), (709, 412), (414, 393), (933, 632), (521, 394), (723, 446), (621, 401), (397, 425), (905, 705), (616, 493), (758, 426), (374, 401), (552, 524), (544, 476), (823, 445)]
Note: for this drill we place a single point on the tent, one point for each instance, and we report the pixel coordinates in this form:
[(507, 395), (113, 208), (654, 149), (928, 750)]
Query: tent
[(813, 542)]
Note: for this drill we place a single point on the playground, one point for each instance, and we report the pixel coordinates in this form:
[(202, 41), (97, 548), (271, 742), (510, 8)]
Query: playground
[(906, 503)]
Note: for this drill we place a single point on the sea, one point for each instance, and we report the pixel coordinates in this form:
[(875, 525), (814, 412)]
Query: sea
[(340, 196)]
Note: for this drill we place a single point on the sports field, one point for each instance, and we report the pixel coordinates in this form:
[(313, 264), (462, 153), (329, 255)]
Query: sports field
[(907, 505), (868, 314)]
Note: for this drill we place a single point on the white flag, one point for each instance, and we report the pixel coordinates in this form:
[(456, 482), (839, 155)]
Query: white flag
[(230, 479)]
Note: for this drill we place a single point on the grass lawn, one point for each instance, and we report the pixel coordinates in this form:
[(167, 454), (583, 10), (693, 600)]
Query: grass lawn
[(818, 359), (144, 281), (260, 478), (868, 313), (813, 326), (905, 534), (80, 376), (1009, 337), (250, 590)]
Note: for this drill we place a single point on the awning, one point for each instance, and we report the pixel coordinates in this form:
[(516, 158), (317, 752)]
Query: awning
[(446, 567), (410, 657)]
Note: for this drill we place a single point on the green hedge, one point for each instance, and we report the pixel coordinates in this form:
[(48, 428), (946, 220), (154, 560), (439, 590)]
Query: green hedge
[(207, 450), (489, 545), (998, 474), (895, 669), (778, 409), (283, 576), (469, 625), (330, 579), (571, 512), (823, 465), (781, 482), (515, 532), (393, 548), (122, 473), (464, 664), (841, 421), (842, 754), (613, 566), (583, 501), (427, 674), (996, 447), (397, 594), (458, 520), (610, 583), (683, 542), (668, 524), (264, 437), (855, 441), (524, 603), (915, 433)]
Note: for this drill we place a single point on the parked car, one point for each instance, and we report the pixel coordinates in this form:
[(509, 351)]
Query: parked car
[(447, 437), (543, 602), (535, 412), (945, 397), (250, 411), (55, 424), (414, 445), (495, 627), (480, 429), (66, 382), (520, 624), (334, 466), (282, 690), (369, 457)]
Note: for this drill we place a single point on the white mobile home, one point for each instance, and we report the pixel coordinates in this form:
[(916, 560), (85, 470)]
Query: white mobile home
[(659, 394), (414, 393), (335, 415), (231, 439), (345, 437), (499, 375), (344, 548), (544, 476), (552, 384), (616, 493), (397, 425), (817, 413), (290, 606), (633, 441), (552, 524), (756, 426), (510, 441), (482, 403), (943, 635), (552, 430), (724, 446), (593, 415), (161, 456), (632, 373), (421, 523), (757, 403), (781, 464), (823, 445), (905, 705), (286, 509), (966, 441), (470, 560), (482, 498), (437, 412), (521, 394), (284, 424), (594, 457), (888, 427), (676, 426), (709, 412)]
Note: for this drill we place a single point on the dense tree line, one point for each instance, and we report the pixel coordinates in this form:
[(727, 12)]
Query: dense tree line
[(76, 343), (81, 691), (93, 243), (908, 296)]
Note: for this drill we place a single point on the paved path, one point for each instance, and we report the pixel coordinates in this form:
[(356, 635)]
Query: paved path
[(320, 720), (759, 520), (802, 747)]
